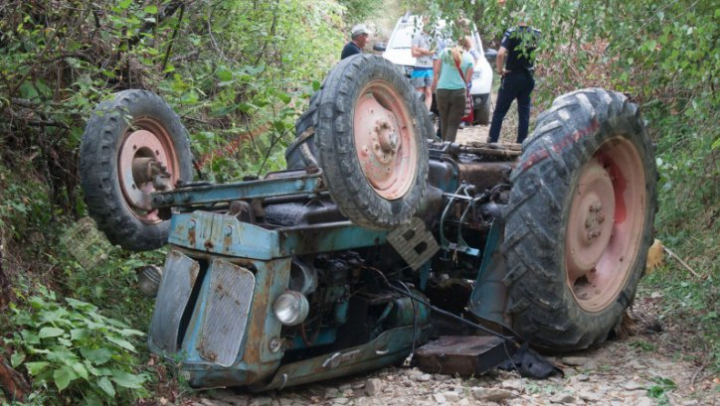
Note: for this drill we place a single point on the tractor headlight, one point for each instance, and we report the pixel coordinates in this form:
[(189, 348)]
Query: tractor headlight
[(291, 308)]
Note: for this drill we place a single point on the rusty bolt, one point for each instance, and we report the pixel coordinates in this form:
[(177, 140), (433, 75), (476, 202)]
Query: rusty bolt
[(275, 344), (601, 218)]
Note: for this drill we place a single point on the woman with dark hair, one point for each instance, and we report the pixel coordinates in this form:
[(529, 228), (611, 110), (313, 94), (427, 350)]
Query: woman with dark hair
[(453, 70)]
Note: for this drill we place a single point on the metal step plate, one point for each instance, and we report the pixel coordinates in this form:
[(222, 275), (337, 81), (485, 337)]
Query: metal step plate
[(463, 355), (414, 243), (226, 314), (177, 283)]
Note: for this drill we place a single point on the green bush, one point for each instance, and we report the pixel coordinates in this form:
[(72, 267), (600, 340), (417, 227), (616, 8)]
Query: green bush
[(73, 351)]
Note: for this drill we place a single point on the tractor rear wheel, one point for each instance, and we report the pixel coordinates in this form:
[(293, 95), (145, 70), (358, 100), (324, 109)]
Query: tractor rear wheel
[(580, 220), (133, 144), (367, 130)]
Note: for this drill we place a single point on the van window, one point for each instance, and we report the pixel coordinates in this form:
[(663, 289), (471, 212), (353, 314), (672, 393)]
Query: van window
[(403, 35)]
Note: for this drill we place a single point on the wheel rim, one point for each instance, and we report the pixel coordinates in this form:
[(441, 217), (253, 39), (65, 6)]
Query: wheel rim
[(605, 225), (385, 140), (145, 145)]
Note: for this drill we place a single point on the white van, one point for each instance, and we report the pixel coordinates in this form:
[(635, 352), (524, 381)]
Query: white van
[(398, 52)]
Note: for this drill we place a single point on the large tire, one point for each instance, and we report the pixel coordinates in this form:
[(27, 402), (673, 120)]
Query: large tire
[(367, 130), (482, 111), (579, 221), (133, 127)]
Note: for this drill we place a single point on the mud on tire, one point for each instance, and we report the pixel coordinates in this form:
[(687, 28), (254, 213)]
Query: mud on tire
[(133, 126), (579, 221), (367, 130)]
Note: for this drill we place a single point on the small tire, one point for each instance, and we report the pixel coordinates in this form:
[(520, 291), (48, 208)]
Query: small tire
[(579, 221), (302, 153), (124, 137), (482, 111), (367, 130)]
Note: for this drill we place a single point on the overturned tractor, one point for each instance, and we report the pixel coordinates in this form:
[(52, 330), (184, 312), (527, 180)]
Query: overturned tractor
[(374, 237)]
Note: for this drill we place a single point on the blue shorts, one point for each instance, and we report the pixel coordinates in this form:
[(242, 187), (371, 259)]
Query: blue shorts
[(421, 77)]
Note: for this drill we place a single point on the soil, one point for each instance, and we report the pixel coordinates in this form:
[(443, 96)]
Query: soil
[(644, 368)]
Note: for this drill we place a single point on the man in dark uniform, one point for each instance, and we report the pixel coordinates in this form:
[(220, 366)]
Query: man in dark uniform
[(359, 35), (518, 44)]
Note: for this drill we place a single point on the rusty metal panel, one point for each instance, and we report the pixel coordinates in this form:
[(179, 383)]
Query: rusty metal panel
[(463, 355), (177, 283), (228, 305)]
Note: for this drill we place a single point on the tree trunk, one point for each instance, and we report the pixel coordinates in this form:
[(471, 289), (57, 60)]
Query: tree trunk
[(4, 280), (11, 382)]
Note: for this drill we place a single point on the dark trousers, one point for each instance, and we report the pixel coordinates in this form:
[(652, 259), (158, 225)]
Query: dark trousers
[(451, 106), (515, 85)]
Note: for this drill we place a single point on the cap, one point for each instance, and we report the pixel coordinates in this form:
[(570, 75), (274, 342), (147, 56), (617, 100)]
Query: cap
[(359, 30)]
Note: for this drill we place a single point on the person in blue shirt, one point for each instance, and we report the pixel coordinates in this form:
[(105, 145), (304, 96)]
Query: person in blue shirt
[(519, 45), (359, 35), (453, 70)]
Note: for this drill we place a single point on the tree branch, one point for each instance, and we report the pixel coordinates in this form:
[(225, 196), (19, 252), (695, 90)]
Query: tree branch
[(172, 40), (163, 15)]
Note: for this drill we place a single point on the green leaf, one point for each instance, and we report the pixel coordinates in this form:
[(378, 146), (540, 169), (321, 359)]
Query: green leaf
[(224, 75), (79, 334), (97, 356), (79, 304), (107, 386), (80, 370), (92, 399), (127, 332), (47, 332), (35, 368), (127, 380), (151, 9), (17, 359), (124, 4), (94, 371), (30, 337), (63, 377), (121, 343)]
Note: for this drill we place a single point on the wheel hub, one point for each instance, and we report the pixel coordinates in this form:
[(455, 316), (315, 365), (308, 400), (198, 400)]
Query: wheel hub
[(384, 141), (146, 164)]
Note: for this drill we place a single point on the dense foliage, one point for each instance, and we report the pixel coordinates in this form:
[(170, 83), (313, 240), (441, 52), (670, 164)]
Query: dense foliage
[(237, 72)]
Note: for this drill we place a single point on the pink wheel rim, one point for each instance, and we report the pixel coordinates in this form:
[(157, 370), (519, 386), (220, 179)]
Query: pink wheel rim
[(146, 143), (606, 222), (385, 140)]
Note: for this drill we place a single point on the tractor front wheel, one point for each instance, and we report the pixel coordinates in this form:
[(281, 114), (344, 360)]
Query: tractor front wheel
[(134, 144)]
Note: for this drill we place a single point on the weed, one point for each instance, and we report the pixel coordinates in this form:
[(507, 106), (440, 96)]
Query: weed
[(643, 345), (661, 388), (72, 350)]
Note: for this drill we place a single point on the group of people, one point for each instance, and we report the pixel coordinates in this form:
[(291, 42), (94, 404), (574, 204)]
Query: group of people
[(445, 69)]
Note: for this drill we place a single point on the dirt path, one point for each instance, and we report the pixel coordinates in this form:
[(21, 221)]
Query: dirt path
[(647, 368)]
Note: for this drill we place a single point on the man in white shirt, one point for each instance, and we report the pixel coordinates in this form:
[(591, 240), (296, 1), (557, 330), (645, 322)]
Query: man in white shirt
[(422, 75)]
